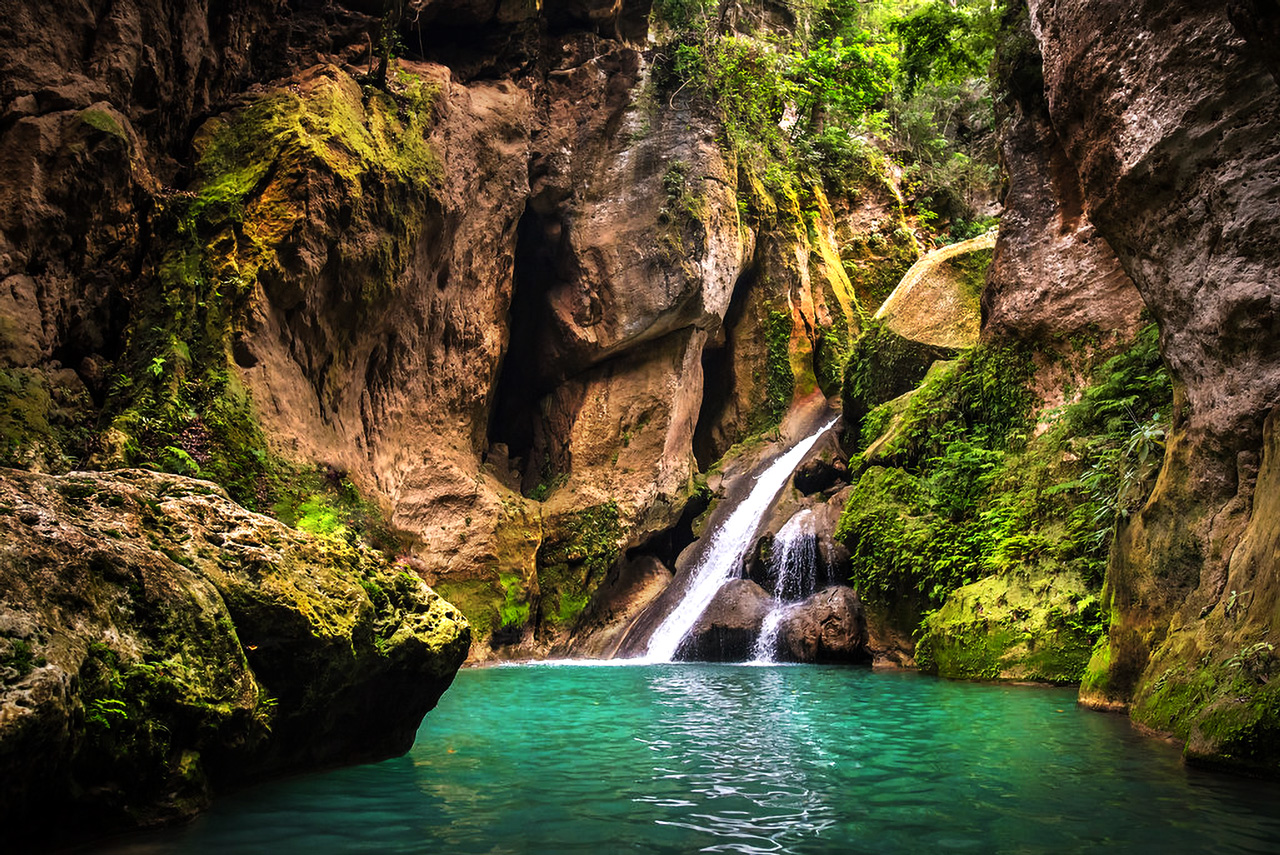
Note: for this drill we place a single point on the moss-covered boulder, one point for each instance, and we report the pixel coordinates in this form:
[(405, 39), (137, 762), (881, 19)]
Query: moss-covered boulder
[(1011, 626), (158, 642)]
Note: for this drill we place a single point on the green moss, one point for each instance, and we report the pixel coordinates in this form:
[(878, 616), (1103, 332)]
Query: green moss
[(881, 366), (103, 121), (1013, 626), (972, 267), (876, 260), (43, 425), (572, 561), (831, 352), (514, 609), (476, 599), (780, 380)]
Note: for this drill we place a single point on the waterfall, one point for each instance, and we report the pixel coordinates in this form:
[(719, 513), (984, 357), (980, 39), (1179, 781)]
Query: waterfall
[(794, 561), (729, 542)]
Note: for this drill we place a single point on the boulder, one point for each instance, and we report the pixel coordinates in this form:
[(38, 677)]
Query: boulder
[(818, 475), (158, 641), (728, 628), (827, 627)]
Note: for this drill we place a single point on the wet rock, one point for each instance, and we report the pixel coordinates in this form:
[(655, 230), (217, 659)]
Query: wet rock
[(628, 589), (818, 475), (160, 642), (827, 627), (728, 629)]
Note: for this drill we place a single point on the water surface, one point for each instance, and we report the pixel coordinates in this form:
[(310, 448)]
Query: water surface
[(714, 758)]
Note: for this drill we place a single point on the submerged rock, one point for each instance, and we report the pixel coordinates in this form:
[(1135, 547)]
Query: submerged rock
[(728, 628), (826, 627), (158, 641)]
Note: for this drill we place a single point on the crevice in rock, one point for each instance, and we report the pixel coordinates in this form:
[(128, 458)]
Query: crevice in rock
[(519, 415), (719, 387), (667, 544)]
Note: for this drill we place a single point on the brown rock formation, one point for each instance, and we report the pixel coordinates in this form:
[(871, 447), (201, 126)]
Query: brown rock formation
[(1052, 275), (159, 642), (496, 278), (727, 630), (936, 303), (826, 627), (1171, 116)]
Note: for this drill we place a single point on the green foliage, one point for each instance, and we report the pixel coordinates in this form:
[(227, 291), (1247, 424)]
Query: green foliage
[(945, 41), (974, 495), (323, 501), (985, 400), (831, 353), (845, 77), (780, 381), (514, 610), (572, 561), (19, 661), (881, 366)]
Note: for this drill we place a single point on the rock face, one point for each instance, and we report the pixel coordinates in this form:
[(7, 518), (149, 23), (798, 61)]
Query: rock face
[(489, 294), (159, 642), (828, 626), (1052, 275), (728, 629), (937, 302), (1170, 116)]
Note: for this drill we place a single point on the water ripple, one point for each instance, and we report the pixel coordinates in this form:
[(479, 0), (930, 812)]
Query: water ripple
[(691, 758)]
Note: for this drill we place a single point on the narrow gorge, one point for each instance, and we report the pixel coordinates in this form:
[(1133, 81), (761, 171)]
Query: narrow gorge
[(348, 344)]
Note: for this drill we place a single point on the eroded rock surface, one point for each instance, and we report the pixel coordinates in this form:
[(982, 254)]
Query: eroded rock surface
[(159, 642), (1170, 115), (1052, 276), (828, 626)]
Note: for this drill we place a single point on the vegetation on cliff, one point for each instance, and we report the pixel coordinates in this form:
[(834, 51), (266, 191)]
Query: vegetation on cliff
[(852, 94), (994, 522)]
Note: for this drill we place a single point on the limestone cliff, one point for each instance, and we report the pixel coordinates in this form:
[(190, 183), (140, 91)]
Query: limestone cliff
[(1162, 127), (517, 293)]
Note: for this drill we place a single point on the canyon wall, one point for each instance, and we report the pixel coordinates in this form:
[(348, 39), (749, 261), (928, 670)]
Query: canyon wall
[(518, 295), (1170, 116)]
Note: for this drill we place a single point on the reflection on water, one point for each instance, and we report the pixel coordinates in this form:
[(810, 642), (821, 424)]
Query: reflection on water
[(795, 759)]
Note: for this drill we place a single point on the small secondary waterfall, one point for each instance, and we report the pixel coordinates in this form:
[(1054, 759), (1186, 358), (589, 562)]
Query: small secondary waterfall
[(724, 554), (795, 562)]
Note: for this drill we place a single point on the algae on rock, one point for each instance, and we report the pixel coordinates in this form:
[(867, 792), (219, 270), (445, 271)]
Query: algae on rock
[(172, 643)]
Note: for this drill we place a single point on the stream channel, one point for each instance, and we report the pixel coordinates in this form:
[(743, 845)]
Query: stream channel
[(679, 758)]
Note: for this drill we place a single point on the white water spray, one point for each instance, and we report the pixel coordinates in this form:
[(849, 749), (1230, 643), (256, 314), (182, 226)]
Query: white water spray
[(795, 561), (728, 544)]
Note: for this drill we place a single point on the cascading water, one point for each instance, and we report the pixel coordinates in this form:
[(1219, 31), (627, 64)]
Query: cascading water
[(724, 554), (794, 561)]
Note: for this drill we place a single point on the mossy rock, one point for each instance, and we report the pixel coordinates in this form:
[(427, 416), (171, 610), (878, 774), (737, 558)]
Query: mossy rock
[(1013, 627), (576, 553), (938, 301), (882, 366), (158, 642)]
